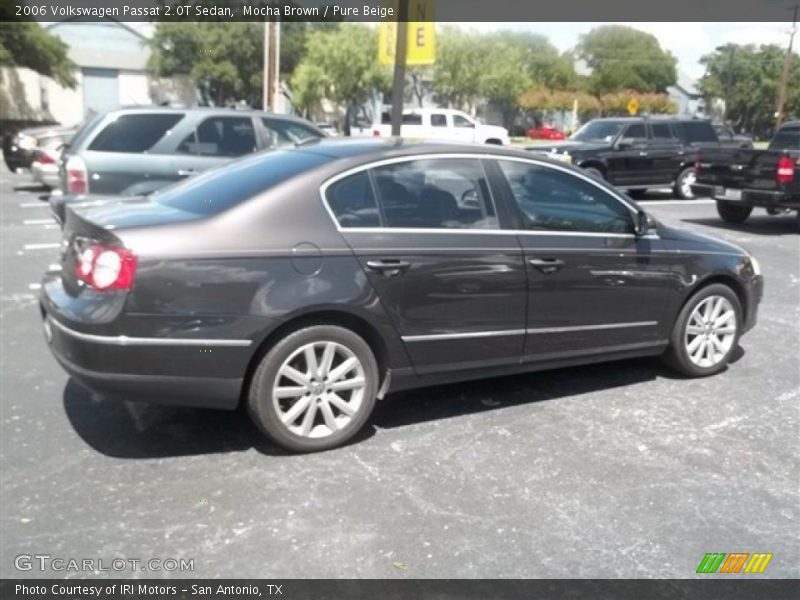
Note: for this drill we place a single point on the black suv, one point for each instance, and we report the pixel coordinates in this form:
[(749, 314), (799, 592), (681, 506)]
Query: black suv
[(135, 151), (638, 153)]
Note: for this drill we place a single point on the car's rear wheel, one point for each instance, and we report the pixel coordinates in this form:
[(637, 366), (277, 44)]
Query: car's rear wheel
[(314, 389), (684, 182), (733, 213), (594, 172), (706, 332)]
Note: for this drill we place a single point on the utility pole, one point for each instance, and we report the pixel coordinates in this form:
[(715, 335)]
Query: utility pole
[(399, 83), (785, 76), (272, 45)]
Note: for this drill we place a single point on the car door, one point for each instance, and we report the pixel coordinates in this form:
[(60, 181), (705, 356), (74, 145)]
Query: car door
[(214, 141), (629, 163), (463, 128), (666, 152), (427, 234), (593, 286)]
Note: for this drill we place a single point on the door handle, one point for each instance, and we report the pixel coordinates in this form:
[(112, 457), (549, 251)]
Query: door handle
[(390, 268), (186, 172), (546, 265)]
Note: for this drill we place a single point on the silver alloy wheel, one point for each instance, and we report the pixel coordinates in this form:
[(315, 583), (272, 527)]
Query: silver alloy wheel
[(710, 331), (686, 184), (319, 389)]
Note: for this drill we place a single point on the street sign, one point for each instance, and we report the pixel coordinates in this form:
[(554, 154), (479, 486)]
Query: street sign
[(421, 36), (633, 106)]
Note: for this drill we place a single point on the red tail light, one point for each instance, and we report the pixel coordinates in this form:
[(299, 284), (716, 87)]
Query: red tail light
[(376, 133), (106, 267), (77, 177), (44, 158), (785, 170)]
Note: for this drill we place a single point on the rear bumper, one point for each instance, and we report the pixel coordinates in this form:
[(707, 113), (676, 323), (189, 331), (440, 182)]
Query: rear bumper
[(751, 197), (180, 371)]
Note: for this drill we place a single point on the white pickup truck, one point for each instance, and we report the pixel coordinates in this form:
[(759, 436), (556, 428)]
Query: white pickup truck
[(437, 124)]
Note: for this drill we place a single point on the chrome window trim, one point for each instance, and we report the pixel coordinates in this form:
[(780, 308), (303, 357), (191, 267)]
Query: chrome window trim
[(529, 331), (475, 156), (123, 340)]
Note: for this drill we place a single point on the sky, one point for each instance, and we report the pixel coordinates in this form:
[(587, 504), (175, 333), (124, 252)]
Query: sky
[(686, 41)]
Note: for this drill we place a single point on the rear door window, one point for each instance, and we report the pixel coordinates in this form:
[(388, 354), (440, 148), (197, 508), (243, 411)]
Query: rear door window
[(221, 136), (438, 120), (441, 193), (352, 201), (662, 132), (286, 133), (135, 132)]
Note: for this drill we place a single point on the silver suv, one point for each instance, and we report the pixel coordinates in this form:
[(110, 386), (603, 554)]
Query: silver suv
[(135, 151)]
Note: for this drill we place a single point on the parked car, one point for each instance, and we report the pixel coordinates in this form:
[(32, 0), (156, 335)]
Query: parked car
[(440, 124), (310, 281), (638, 153), (729, 139), (741, 179), (134, 151), (543, 132), (19, 148), (44, 168)]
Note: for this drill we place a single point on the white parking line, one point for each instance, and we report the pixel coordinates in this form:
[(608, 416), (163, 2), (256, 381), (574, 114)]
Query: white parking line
[(665, 202), (34, 286), (38, 221), (40, 204), (40, 246)]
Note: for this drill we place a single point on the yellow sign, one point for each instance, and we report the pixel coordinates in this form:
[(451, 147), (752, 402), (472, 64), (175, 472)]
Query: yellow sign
[(421, 35), (633, 106)]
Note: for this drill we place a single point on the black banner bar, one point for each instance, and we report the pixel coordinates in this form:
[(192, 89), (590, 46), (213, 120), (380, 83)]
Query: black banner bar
[(386, 10), (412, 589)]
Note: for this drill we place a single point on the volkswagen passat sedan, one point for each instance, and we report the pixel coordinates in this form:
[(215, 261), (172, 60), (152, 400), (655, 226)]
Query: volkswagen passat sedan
[(308, 282)]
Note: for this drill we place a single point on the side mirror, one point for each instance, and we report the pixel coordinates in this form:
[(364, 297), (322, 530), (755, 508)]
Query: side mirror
[(624, 144), (644, 223)]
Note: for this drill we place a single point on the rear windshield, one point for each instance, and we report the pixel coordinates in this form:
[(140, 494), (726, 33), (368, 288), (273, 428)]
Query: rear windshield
[(698, 131), (787, 139), (216, 190)]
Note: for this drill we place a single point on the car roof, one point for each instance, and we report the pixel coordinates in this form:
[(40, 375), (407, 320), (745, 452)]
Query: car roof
[(389, 147), (790, 125), (654, 118), (203, 109)]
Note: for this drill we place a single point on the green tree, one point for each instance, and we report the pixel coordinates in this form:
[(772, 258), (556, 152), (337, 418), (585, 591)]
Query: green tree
[(225, 59), (348, 57), (29, 45), (747, 79), (309, 86), (459, 66), (624, 58)]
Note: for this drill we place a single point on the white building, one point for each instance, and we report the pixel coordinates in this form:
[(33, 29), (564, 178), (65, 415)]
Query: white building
[(687, 96), (111, 70)]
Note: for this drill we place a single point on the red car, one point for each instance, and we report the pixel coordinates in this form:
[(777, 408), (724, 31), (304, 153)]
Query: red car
[(545, 133)]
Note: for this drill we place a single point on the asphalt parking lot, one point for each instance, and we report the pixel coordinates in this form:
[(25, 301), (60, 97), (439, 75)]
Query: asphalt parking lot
[(612, 470)]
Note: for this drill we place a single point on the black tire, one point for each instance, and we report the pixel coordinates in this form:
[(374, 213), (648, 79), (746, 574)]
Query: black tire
[(733, 213), (594, 172), (676, 355), (637, 193), (259, 399), (681, 189)]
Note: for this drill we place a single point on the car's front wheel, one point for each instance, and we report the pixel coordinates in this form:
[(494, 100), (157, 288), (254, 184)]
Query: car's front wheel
[(733, 213), (706, 332), (314, 389)]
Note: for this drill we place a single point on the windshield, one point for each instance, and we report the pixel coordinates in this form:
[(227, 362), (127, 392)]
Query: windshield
[(216, 190), (788, 139), (598, 131)]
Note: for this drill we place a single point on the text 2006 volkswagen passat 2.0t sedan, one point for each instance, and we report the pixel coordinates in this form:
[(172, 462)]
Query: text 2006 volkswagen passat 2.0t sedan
[(308, 282)]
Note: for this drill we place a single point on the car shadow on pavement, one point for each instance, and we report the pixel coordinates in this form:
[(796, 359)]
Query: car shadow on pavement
[(761, 225), (141, 430), (31, 187)]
